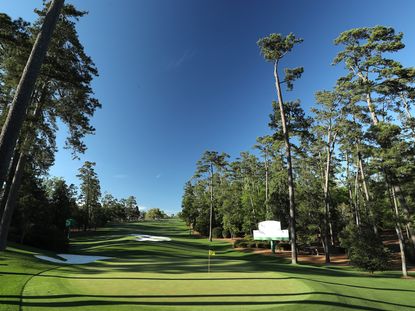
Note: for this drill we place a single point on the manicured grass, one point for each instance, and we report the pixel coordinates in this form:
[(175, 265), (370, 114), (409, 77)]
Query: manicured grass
[(173, 276)]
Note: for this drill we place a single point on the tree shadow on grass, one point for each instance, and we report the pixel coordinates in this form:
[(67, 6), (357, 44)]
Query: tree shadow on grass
[(113, 300)]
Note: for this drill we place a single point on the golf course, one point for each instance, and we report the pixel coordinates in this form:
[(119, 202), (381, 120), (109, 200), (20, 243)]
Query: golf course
[(173, 275)]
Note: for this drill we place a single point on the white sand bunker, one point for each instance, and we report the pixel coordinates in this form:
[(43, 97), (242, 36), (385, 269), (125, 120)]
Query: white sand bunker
[(151, 238), (72, 259)]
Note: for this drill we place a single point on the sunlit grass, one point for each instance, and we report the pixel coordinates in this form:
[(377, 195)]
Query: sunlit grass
[(174, 276)]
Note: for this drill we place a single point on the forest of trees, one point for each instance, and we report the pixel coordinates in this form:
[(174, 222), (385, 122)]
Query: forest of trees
[(340, 175), (55, 89)]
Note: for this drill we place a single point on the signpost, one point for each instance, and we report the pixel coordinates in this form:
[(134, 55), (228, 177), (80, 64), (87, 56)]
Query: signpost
[(270, 230), (70, 222)]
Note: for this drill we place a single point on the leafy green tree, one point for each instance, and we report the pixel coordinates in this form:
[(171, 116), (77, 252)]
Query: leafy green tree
[(370, 75), (189, 210), (155, 214), (112, 209), (90, 193), (365, 248), (265, 146), (328, 117), (67, 71), (274, 48), (62, 198), (131, 208), (210, 162), (364, 59), (17, 112)]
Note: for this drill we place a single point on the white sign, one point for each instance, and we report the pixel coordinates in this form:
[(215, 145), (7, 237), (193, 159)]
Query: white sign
[(270, 230)]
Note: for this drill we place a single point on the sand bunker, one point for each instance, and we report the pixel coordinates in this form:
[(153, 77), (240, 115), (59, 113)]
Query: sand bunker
[(72, 259), (151, 238)]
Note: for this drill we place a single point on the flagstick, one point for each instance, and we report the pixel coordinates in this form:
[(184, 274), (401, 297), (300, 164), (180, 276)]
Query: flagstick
[(209, 262)]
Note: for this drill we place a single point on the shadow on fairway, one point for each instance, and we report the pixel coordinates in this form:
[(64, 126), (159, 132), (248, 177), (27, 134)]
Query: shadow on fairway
[(106, 300), (176, 259)]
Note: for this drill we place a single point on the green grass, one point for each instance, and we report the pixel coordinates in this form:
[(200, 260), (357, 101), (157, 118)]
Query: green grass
[(173, 276)]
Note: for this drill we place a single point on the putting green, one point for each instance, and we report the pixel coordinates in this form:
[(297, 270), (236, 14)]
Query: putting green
[(172, 275)]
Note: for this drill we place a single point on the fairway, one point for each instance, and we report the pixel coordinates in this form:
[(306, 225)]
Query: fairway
[(172, 275)]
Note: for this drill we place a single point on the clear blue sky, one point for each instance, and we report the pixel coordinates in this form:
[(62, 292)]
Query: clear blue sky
[(181, 77)]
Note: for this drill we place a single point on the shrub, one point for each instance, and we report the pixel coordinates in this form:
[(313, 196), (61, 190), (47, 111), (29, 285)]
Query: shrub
[(243, 243), (226, 234), (262, 244), (47, 237), (365, 248), (283, 246), (251, 244), (248, 237), (240, 244), (217, 232), (410, 252)]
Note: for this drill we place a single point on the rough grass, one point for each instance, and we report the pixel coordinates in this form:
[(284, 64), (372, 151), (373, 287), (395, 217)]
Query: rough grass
[(173, 276)]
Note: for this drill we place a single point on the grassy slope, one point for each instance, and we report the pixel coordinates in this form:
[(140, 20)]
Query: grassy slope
[(173, 275)]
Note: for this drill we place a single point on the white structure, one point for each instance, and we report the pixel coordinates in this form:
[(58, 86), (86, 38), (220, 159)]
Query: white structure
[(151, 238), (72, 259), (270, 230)]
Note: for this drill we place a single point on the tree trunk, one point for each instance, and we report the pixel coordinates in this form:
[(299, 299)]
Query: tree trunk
[(399, 233), (289, 168), (356, 189), (11, 202), (408, 214), (408, 113), (268, 212), (9, 181), (371, 107), (328, 231), (366, 191), (211, 203), (17, 113), (353, 206), (15, 175)]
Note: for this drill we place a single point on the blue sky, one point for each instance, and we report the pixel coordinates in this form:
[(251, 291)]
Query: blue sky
[(184, 76)]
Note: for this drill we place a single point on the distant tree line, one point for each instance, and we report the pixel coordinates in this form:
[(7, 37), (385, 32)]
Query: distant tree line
[(341, 175)]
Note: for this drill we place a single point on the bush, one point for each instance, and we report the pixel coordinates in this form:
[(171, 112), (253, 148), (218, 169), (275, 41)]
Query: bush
[(217, 232), (46, 237), (365, 248), (284, 247), (262, 244), (243, 243), (251, 244), (226, 234), (240, 244), (410, 253), (248, 237)]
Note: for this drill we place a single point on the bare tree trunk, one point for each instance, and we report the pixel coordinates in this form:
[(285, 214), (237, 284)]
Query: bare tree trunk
[(17, 113), (327, 223), (408, 214), (9, 181), (268, 212), (15, 175), (399, 233), (353, 206), (211, 203), (371, 107), (408, 113), (356, 190), (366, 191), (252, 202), (362, 175), (289, 168), (11, 202)]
